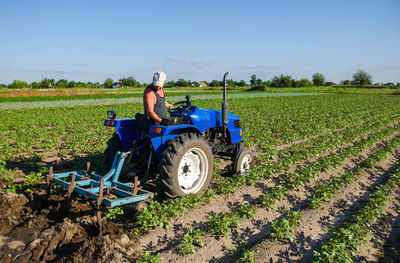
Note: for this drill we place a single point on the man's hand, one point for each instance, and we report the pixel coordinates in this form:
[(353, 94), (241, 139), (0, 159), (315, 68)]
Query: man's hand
[(169, 106)]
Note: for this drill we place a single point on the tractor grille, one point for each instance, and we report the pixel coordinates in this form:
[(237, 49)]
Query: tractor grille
[(237, 124)]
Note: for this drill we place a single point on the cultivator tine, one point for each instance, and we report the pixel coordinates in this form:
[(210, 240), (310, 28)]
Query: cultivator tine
[(99, 200), (49, 178), (135, 185), (87, 167), (50, 175), (72, 186)]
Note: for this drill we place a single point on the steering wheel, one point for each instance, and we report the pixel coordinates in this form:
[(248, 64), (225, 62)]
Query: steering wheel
[(178, 105)]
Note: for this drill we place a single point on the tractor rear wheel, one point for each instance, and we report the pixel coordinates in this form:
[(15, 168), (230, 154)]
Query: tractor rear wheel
[(187, 165), (113, 145)]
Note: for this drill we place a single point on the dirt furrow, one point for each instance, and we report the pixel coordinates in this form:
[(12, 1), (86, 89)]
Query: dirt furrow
[(250, 229), (383, 244), (316, 223)]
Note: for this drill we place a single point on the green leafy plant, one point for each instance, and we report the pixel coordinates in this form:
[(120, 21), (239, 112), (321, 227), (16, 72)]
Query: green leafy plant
[(247, 210), (115, 213), (248, 257), (282, 228), (222, 224), (148, 258), (190, 240)]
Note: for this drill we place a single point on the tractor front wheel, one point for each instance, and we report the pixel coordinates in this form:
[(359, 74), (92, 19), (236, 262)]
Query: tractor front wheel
[(187, 165), (242, 161)]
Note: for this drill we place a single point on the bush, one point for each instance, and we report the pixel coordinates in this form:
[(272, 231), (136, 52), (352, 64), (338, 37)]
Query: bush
[(18, 84), (258, 87)]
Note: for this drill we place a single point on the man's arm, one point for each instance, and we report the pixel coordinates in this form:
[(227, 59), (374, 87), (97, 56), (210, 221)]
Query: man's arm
[(149, 99), (169, 106)]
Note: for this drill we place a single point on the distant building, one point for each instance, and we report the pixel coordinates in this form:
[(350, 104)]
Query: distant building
[(200, 84), (115, 85)]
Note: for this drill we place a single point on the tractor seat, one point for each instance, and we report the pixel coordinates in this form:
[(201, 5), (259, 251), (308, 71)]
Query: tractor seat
[(143, 122), (172, 121)]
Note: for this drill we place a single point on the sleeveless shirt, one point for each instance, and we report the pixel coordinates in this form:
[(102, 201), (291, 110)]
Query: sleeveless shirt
[(159, 107)]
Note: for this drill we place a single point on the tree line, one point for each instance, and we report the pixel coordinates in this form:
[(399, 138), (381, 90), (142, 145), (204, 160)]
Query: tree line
[(360, 79)]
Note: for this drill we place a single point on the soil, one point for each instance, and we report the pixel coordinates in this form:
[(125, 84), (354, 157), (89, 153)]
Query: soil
[(36, 227)]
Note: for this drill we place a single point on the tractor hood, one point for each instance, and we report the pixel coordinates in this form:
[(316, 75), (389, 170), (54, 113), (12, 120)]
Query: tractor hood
[(206, 119)]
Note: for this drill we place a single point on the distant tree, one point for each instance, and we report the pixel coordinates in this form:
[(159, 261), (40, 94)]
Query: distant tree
[(230, 82), (62, 83), (215, 83), (71, 84), (241, 83), (253, 80), (258, 87), (170, 84), (18, 84), (35, 85), (346, 82), (305, 83), (181, 83), (267, 83), (128, 82), (81, 84), (3, 86), (282, 81), (47, 83), (108, 82), (362, 78), (329, 83), (318, 79)]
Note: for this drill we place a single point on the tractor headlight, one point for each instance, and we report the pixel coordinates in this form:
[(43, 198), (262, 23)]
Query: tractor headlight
[(111, 114)]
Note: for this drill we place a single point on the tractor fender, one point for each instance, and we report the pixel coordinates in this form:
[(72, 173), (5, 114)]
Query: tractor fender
[(167, 134)]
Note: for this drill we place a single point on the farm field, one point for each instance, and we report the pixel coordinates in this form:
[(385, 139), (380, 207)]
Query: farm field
[(324, 186)]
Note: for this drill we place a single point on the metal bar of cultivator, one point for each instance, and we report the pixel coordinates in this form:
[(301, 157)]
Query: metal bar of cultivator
[(94, 186)]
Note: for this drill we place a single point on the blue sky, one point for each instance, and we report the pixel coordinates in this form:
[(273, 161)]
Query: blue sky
[(198, 40)]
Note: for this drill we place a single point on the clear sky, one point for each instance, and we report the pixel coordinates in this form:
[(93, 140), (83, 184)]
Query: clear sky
[(198, 40)]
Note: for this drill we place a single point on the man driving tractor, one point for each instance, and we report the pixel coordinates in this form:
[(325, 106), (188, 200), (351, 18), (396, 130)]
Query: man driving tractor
[(155, 104)]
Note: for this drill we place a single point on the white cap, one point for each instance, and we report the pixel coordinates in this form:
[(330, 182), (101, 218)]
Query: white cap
[(159, 78)]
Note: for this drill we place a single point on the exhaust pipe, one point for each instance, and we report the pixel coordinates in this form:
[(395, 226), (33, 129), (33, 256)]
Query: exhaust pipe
[(225, 106)]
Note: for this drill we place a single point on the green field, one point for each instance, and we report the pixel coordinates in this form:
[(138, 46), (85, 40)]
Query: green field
[(298, 138)]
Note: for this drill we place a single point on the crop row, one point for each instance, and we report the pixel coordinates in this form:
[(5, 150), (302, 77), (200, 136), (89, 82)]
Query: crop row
[(322, 192), (224, 223), (282, 228), (313, 147), (346, 239), (162, 213)]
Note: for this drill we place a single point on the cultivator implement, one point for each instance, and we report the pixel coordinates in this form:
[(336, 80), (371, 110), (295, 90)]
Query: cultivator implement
[(105, 190)]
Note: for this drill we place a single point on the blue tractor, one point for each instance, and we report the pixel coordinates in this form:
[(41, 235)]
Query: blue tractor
[(179, 152)]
